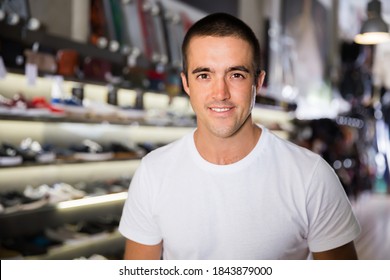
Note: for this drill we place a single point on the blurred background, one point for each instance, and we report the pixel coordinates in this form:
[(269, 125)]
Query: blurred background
[(88, 87)]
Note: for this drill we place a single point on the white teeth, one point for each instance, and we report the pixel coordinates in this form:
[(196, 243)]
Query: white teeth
[(220, 109)]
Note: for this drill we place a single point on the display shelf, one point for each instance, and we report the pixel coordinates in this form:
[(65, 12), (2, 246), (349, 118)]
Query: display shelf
[(17, 178), (168, 121), (65, 161), (24, 222), (21, 34), (104, 244), (60, 118)]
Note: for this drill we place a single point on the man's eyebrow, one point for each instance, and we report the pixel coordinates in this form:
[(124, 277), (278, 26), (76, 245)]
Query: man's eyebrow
[(200, 69), (238, 68), (233, 68)]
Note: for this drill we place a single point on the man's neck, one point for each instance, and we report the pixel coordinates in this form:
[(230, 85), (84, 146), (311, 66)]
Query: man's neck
[(223, 151)]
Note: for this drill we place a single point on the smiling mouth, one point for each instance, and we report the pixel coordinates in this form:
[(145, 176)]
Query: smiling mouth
[(220, 110)]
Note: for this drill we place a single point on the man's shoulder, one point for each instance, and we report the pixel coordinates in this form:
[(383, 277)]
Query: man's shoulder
[(291, 152)]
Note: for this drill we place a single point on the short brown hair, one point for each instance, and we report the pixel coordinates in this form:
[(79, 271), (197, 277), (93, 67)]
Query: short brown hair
[(223, 25)]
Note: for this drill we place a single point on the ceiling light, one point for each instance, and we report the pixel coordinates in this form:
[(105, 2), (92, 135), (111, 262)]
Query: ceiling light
[(374, 30)]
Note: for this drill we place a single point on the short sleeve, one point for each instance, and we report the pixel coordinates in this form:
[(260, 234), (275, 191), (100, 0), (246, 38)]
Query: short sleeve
[(331, 219), (137, 222)]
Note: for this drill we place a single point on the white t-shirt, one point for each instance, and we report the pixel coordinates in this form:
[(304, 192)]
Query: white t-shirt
[(279, 202)]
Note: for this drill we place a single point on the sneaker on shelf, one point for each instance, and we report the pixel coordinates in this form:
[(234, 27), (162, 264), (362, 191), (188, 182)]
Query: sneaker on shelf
[(40, 195), (40, 192), (11, 201), (100, 110), (32, 151), (91, 151), (15, 105), (41, 102), (19, 104), (15, 201), (123, 151), (66, 234), (64, 192), (9, 155), (5, 105), (72, 109)]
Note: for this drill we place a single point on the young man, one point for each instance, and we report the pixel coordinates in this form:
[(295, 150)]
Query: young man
[(232, 189)]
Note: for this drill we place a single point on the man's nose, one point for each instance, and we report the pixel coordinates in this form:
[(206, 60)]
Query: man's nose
[(221, 89)]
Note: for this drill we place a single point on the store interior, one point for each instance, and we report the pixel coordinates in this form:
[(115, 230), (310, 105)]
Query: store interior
[(87, 88)]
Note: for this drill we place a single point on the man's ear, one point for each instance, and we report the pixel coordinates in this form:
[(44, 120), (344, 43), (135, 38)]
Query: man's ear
[(260, 81), (184, 81)]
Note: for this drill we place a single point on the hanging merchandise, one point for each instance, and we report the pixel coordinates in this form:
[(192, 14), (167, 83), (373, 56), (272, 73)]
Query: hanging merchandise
[(132, 14), (176, 25), (68, 62), (98, 24), (112, 35), (154, 43), (135, 70), (150, 33), (159, 22), (175, 37), (96, 69), (118, 24)]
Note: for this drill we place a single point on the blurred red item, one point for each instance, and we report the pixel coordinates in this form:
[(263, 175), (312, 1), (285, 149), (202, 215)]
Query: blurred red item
[(68, 62), (96, 69), (40, 102)]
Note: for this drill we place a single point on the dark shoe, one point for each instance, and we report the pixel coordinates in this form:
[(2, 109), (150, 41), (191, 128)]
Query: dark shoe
[(91, 151), (32, 151), (9, 155)]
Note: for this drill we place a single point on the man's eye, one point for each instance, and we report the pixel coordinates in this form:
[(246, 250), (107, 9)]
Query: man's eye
[(203, 76), (237, 76)]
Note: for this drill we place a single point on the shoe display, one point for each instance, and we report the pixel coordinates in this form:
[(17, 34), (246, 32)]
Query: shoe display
[(67, 234), (122, 151), (89, 150), (14, 201), (36, 107), (32, 245), (56, 193), (61, 191), (52, 136), (33, 151), (100, 110), (5, 104), (9, 155), (41, 102)]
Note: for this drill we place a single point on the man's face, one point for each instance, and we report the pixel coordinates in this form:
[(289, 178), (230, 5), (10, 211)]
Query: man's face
[(221, 83)]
